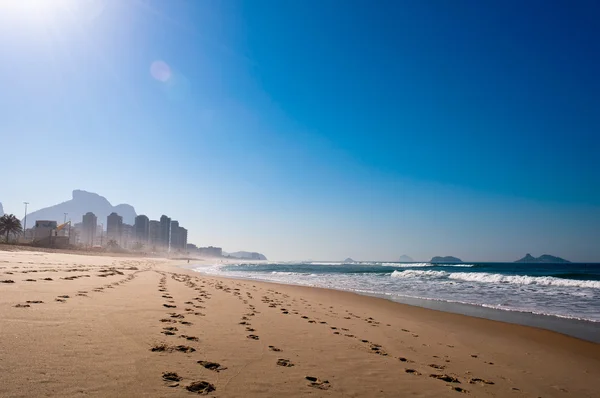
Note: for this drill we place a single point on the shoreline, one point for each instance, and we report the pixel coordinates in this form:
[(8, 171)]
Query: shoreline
[(577, 328), (76, 325)]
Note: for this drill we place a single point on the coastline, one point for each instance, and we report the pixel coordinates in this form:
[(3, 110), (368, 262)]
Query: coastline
[(573, 327), (92, 328)]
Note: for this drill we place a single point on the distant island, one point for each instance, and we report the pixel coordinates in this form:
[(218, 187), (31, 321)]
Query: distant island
[(241, 255), (544, 258), (406, 259), (445, 259), (349, 260)]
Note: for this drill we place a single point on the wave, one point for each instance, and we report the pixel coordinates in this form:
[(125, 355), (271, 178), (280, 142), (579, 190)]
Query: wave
[(288, 273), (485, 277)]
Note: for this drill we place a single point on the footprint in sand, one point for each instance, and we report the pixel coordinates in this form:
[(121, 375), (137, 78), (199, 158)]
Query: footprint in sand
[(201, 387), (22, 306), (169, 306), (476, 380), (412, 371), (273, 348), (318, 383), (253, 337), (34, 301), (445, 377), (167, 348), (284, 362), (171, 376), (7, 281), (190, 338), (214, 366)]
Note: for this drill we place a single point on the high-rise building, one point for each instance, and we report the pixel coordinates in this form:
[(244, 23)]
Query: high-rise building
[(154, 234), (114, 224), (175, 235), (165, 231), (183, 238), (178, 237), (142, 229), (88, 229), (127, 236)]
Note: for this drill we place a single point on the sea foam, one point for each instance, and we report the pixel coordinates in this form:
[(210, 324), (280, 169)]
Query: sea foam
[(485, 277)]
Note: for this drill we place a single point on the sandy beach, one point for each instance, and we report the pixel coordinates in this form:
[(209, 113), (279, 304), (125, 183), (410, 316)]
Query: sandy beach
[(78, 325)]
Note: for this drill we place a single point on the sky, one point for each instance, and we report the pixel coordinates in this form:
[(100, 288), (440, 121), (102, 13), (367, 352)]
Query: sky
[(314, 130)]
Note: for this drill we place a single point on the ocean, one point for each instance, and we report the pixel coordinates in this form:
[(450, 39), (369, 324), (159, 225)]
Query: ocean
[(567, 291)]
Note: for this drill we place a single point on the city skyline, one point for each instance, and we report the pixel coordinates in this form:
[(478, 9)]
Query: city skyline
[(357, 131)]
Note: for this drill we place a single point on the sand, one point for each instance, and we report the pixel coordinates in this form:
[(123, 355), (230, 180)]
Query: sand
[(75, 325)]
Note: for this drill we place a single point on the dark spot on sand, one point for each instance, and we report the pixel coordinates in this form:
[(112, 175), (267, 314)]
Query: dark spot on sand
[(22, 306), (433, 365), (253, 336), (34, 301), (273, 348), (7, 281), (190, 338), (459, 389), (412, 371)]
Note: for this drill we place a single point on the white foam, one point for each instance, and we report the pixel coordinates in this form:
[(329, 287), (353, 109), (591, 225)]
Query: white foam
[(485, 277), (414, 273)]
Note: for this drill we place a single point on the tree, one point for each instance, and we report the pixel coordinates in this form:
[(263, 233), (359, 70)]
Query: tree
[(10, 224)]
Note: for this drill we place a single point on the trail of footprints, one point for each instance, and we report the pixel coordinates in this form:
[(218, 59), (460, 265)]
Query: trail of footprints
[(273, 299), (102, 272), (172, 379)]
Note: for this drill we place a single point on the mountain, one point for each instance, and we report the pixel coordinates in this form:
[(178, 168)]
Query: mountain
[(544, 258), (406, 259), (247, 255), (81, 203), (349, 260), (446, 259)]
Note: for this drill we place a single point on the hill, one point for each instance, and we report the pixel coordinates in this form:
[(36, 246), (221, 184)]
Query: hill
[(81, 203), (544, 258), (446, 259), (246, 255), (406, 259)]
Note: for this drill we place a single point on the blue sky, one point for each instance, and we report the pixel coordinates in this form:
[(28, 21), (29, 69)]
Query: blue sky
[(317, 130)]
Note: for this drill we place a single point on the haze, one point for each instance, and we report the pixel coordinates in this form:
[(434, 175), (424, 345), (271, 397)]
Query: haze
[(314, 130)]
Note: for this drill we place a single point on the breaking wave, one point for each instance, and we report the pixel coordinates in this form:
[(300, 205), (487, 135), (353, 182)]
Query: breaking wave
[(485, 277)]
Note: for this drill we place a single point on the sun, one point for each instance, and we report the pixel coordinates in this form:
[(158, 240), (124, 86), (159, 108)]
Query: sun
[(34, 9)]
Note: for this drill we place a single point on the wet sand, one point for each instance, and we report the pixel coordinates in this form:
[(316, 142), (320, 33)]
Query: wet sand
[(75, 325)]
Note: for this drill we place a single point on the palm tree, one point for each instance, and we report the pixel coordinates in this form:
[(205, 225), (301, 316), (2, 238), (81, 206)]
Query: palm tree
[(10, 224)]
